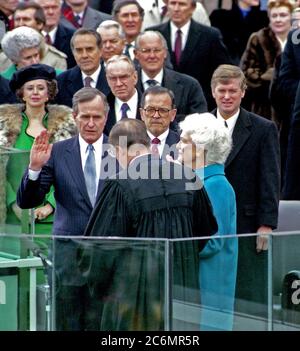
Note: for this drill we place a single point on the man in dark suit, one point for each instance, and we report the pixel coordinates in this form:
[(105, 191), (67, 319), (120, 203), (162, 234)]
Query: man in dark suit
[(67, 166), (55, 32), (86, 45), (158, 111), (151, 53), (6, 95), (253, 170), (82, 15), (128, 278), (124, 98), (195, 49)]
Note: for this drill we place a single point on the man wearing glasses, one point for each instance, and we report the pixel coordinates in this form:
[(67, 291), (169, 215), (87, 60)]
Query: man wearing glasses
[(151, 52), (158, 111), (124, 99)]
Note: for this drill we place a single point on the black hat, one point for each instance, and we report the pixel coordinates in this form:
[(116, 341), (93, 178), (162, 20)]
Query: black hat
[(32, 72)]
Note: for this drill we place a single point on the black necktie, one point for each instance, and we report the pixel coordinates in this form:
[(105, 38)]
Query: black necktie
[(126, 51), (151, 82)]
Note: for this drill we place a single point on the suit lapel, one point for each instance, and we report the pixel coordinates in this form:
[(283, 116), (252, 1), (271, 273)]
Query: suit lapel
[(173, 84), (75, 80), (192, 39), (240, 135), (102, 84)]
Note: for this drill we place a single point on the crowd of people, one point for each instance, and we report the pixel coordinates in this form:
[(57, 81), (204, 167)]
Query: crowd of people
[(211, 95)]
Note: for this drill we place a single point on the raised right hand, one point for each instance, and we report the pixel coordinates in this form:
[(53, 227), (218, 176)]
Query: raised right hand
[(40, 151)]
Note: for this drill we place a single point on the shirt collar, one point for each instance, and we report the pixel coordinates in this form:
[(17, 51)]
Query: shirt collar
[(184, 29), (132, 102), (158, 77), (162, 137), (231, 121), (52, 34), (97, 144), (94, 76)]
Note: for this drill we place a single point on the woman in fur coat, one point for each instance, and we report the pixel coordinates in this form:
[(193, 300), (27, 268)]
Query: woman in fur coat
[(259, 58), (35, 86)]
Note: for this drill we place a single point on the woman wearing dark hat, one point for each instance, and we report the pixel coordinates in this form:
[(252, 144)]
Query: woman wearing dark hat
[(35, 86)]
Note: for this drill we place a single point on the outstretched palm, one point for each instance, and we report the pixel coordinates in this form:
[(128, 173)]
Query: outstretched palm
[(40, 151)]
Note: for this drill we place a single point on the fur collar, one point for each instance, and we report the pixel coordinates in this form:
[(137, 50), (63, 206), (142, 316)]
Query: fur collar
[(61, 124)]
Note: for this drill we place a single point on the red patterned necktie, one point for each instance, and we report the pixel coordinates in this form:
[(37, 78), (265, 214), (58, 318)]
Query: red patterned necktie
[(178, 46), (48, 39), (154, 146)]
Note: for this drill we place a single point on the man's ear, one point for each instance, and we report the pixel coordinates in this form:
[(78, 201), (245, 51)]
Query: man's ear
[(173, 114)]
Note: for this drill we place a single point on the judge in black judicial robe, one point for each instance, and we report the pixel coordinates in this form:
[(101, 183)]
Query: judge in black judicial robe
[(128, 277)]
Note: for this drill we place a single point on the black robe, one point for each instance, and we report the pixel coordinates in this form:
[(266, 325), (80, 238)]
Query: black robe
[(129, 277)]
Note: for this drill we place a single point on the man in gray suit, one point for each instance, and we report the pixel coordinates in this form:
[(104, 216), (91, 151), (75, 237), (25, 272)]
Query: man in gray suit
[(151, 53), (252, 168), (82, 15), (64, 165)]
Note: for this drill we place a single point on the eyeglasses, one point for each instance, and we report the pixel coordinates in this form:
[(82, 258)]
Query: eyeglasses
[(150, 111), (122, 78), (148, 51)]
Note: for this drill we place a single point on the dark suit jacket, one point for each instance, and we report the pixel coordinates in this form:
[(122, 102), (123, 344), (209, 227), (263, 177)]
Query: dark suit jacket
[(92, 18), (203, 53), (170, 146), (289, 73), (291, 189), (6, 95), (111, 118), (189, 97), (73, 206), (70, 81), (62, 42), (236, 29), (253, 169)]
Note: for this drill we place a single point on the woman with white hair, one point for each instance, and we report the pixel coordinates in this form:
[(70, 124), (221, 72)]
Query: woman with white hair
[(204, 146), (22, 47)]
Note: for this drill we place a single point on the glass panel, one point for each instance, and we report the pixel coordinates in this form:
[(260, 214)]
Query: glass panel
[(286, 281), (79, 283), (225, 287), (24, 289), (109, 284), (13, 220)]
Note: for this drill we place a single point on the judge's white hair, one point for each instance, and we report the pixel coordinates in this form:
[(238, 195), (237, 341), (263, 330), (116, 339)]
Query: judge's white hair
[(205, 130)]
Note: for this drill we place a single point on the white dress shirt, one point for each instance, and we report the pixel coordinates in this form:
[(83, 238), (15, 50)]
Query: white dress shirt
[(158, 78), (162, 138), (231, 121), (94, 77), (184, 34), (133, 106), (52, 34)]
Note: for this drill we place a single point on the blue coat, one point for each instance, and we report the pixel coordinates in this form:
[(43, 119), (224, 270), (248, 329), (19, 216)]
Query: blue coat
[(218, 259)]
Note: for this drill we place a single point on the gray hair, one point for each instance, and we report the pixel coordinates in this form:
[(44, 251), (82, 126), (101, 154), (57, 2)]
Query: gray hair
[(150, 33), (108, 24), (87, 94), (207, 131), (18, 39), (120, 58)]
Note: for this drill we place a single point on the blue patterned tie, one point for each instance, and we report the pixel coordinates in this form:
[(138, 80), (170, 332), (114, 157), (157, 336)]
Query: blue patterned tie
[(90, 174), (124, 109), (152, 82)]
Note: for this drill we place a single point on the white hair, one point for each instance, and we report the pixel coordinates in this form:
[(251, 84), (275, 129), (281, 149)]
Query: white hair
[(205, 130), (108, 24), (14, 41)]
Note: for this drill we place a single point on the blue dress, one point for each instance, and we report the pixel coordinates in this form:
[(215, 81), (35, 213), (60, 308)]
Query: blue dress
[(218, 259)]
